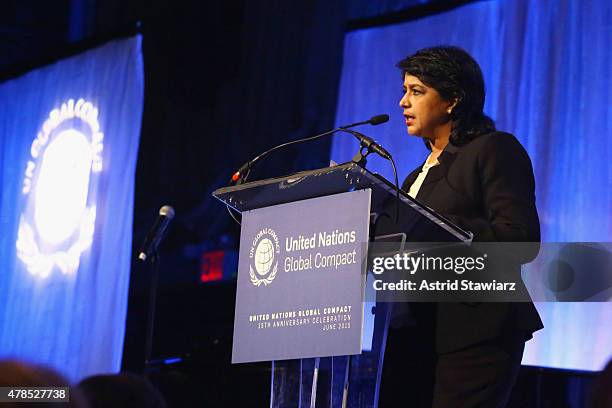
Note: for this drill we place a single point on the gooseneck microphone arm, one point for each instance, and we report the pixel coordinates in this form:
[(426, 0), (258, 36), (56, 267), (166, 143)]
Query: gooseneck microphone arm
[(366, 142), (243, 172)]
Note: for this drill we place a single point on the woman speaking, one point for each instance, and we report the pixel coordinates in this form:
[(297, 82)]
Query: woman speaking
[(456, 355)]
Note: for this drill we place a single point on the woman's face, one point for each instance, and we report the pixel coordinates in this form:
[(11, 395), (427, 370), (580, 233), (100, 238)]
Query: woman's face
[(425, 112)]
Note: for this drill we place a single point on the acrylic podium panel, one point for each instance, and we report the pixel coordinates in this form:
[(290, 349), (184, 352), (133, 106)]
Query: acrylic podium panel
[(346, 380), (292, 380)]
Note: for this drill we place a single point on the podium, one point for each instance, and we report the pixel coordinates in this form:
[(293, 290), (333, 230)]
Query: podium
[(302, 278)]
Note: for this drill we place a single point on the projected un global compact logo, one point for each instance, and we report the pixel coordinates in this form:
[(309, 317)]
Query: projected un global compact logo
[(58, 220), (262, 256)]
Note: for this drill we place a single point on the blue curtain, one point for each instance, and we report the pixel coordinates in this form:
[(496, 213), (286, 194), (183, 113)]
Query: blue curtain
[(548, 71), (69, 136)]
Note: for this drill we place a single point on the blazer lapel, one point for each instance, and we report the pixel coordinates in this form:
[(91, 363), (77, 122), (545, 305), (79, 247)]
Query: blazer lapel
[(436, 173), (411, 178)]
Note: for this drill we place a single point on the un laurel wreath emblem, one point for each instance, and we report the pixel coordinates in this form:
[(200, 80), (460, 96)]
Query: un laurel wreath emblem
[(263, 265), (58, 220)]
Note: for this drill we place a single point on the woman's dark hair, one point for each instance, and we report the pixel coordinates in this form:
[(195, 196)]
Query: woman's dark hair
[(454, 74)]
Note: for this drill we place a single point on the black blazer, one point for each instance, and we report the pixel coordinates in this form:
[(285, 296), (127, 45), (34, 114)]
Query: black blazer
[(487, 187)]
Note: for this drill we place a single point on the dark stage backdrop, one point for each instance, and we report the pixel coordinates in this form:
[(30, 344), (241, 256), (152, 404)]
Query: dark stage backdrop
[(548, 71)]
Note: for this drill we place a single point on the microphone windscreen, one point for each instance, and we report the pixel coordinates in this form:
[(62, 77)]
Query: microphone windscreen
[(378, 119), (167, 211)]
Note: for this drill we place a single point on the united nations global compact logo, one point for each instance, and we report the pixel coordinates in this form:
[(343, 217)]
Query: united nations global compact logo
[(58, 219), (262, 257)]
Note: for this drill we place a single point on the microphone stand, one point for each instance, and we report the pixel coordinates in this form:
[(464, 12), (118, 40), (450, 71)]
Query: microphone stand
[(360, 157), (367, 146), (149, 251), (151, 310)]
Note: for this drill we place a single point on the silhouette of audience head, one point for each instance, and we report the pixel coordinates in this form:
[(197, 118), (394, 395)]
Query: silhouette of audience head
[(121, 390), (15, 373)]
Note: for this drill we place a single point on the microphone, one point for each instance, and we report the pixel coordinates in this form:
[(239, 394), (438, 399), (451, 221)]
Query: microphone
[(379, 119), (155, 235), (242, 174), (369, 143), (374, 121)]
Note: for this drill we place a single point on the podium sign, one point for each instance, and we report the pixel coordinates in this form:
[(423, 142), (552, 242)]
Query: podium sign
[(301, 274)]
